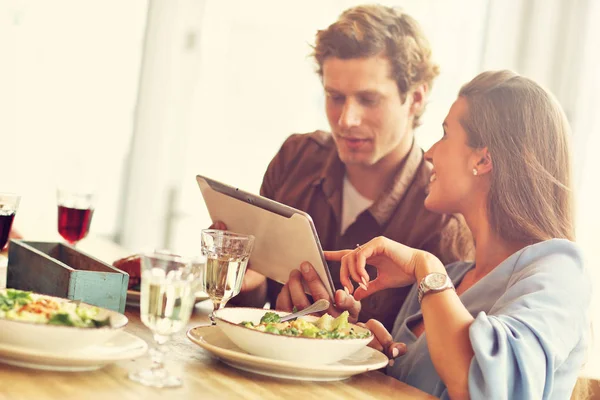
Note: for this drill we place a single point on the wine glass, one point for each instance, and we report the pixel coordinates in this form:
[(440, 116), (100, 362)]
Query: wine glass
[(227, 255), (166, 302), (75, 210), (9, 202)]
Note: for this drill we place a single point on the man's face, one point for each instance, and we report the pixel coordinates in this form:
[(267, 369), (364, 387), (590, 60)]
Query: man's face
[(365, 112)]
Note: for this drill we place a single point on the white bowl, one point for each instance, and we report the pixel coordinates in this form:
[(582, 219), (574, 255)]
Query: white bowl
[(46, 337), (301, 350)]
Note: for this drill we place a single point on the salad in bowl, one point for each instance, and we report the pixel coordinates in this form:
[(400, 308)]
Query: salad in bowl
[(42, 322), (325, 327)]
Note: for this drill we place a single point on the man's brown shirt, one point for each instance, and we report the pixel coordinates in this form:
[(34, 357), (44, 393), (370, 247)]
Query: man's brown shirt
[(307, 174)]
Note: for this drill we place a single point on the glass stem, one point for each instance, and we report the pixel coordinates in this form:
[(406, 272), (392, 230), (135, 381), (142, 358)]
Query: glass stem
[(217, 305), (157, 354)]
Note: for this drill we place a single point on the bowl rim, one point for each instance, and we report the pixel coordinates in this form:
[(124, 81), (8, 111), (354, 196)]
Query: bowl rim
[(111, 327), (350, 340)]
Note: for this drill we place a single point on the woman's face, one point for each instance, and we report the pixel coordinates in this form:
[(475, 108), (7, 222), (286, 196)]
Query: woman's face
[(453, 187)]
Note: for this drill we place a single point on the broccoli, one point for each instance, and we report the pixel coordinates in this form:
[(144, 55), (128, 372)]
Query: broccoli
[(272, 329), (310, 331), (270, 317), (61, 318), (291, 331)]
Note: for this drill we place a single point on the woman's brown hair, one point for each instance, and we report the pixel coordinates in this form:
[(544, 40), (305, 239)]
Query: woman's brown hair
[(527, 136)]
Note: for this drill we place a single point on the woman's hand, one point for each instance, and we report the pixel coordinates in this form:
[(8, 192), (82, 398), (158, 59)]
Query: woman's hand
[(383, 341), (395, 263)]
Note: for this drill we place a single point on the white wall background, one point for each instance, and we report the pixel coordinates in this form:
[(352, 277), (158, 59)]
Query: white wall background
[(68, 86)]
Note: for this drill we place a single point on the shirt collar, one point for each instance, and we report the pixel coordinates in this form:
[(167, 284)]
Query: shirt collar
[(387, 202), (332, 177)]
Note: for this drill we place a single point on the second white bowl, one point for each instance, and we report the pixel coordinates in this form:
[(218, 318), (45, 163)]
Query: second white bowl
[(281, 347)]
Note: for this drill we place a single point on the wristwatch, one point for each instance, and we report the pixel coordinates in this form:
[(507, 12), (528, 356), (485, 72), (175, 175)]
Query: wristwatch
[(433, 283)]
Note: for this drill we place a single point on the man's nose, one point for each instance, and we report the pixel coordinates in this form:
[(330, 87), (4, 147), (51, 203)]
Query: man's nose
[(351, 115)]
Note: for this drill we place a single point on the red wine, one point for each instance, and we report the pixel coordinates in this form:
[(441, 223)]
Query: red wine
[(6, 221), (74, 223)]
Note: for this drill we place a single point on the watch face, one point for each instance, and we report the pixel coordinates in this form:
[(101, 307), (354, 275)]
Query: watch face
[(435, 280)]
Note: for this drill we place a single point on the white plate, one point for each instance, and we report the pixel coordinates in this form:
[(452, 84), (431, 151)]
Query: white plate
[(214, 341), (133, 298), (122, 346)]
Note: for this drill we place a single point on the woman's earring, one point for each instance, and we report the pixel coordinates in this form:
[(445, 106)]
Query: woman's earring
[(475, 171)]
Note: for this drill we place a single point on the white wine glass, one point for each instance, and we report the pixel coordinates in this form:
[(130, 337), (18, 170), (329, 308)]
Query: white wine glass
[(227, 255), (166, 302)]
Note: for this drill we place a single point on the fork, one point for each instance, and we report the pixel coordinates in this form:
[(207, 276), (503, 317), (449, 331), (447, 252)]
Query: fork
[(319, 305)]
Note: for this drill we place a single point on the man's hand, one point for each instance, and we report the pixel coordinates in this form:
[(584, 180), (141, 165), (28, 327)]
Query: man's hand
[(254, 286), (292, 295), (252, 281), (218, 225)]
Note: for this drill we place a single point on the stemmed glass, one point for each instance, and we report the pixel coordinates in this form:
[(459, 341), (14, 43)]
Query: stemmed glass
[(9, 203), (166, 302), (75, 210), (227, 255)]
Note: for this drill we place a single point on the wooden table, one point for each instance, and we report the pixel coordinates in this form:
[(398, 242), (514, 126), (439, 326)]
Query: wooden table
[(204, 377)]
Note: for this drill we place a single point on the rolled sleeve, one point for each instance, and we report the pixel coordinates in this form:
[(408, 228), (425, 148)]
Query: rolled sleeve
[(531, 331), (509, 361)]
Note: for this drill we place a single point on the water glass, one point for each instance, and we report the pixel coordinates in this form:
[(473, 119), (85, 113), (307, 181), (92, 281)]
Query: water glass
[(227, 255), (166, 301)]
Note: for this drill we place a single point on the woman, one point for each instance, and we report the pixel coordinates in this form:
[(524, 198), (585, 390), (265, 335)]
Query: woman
[(513, 323)]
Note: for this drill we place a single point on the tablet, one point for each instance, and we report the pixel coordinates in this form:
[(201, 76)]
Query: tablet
[(284, 237)]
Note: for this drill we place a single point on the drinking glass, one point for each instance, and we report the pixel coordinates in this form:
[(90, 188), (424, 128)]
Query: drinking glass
[(9, 202), (166, 302), (75, 210), (227, 255)]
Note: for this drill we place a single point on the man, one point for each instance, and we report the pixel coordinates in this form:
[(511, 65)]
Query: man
[(367, 177)]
